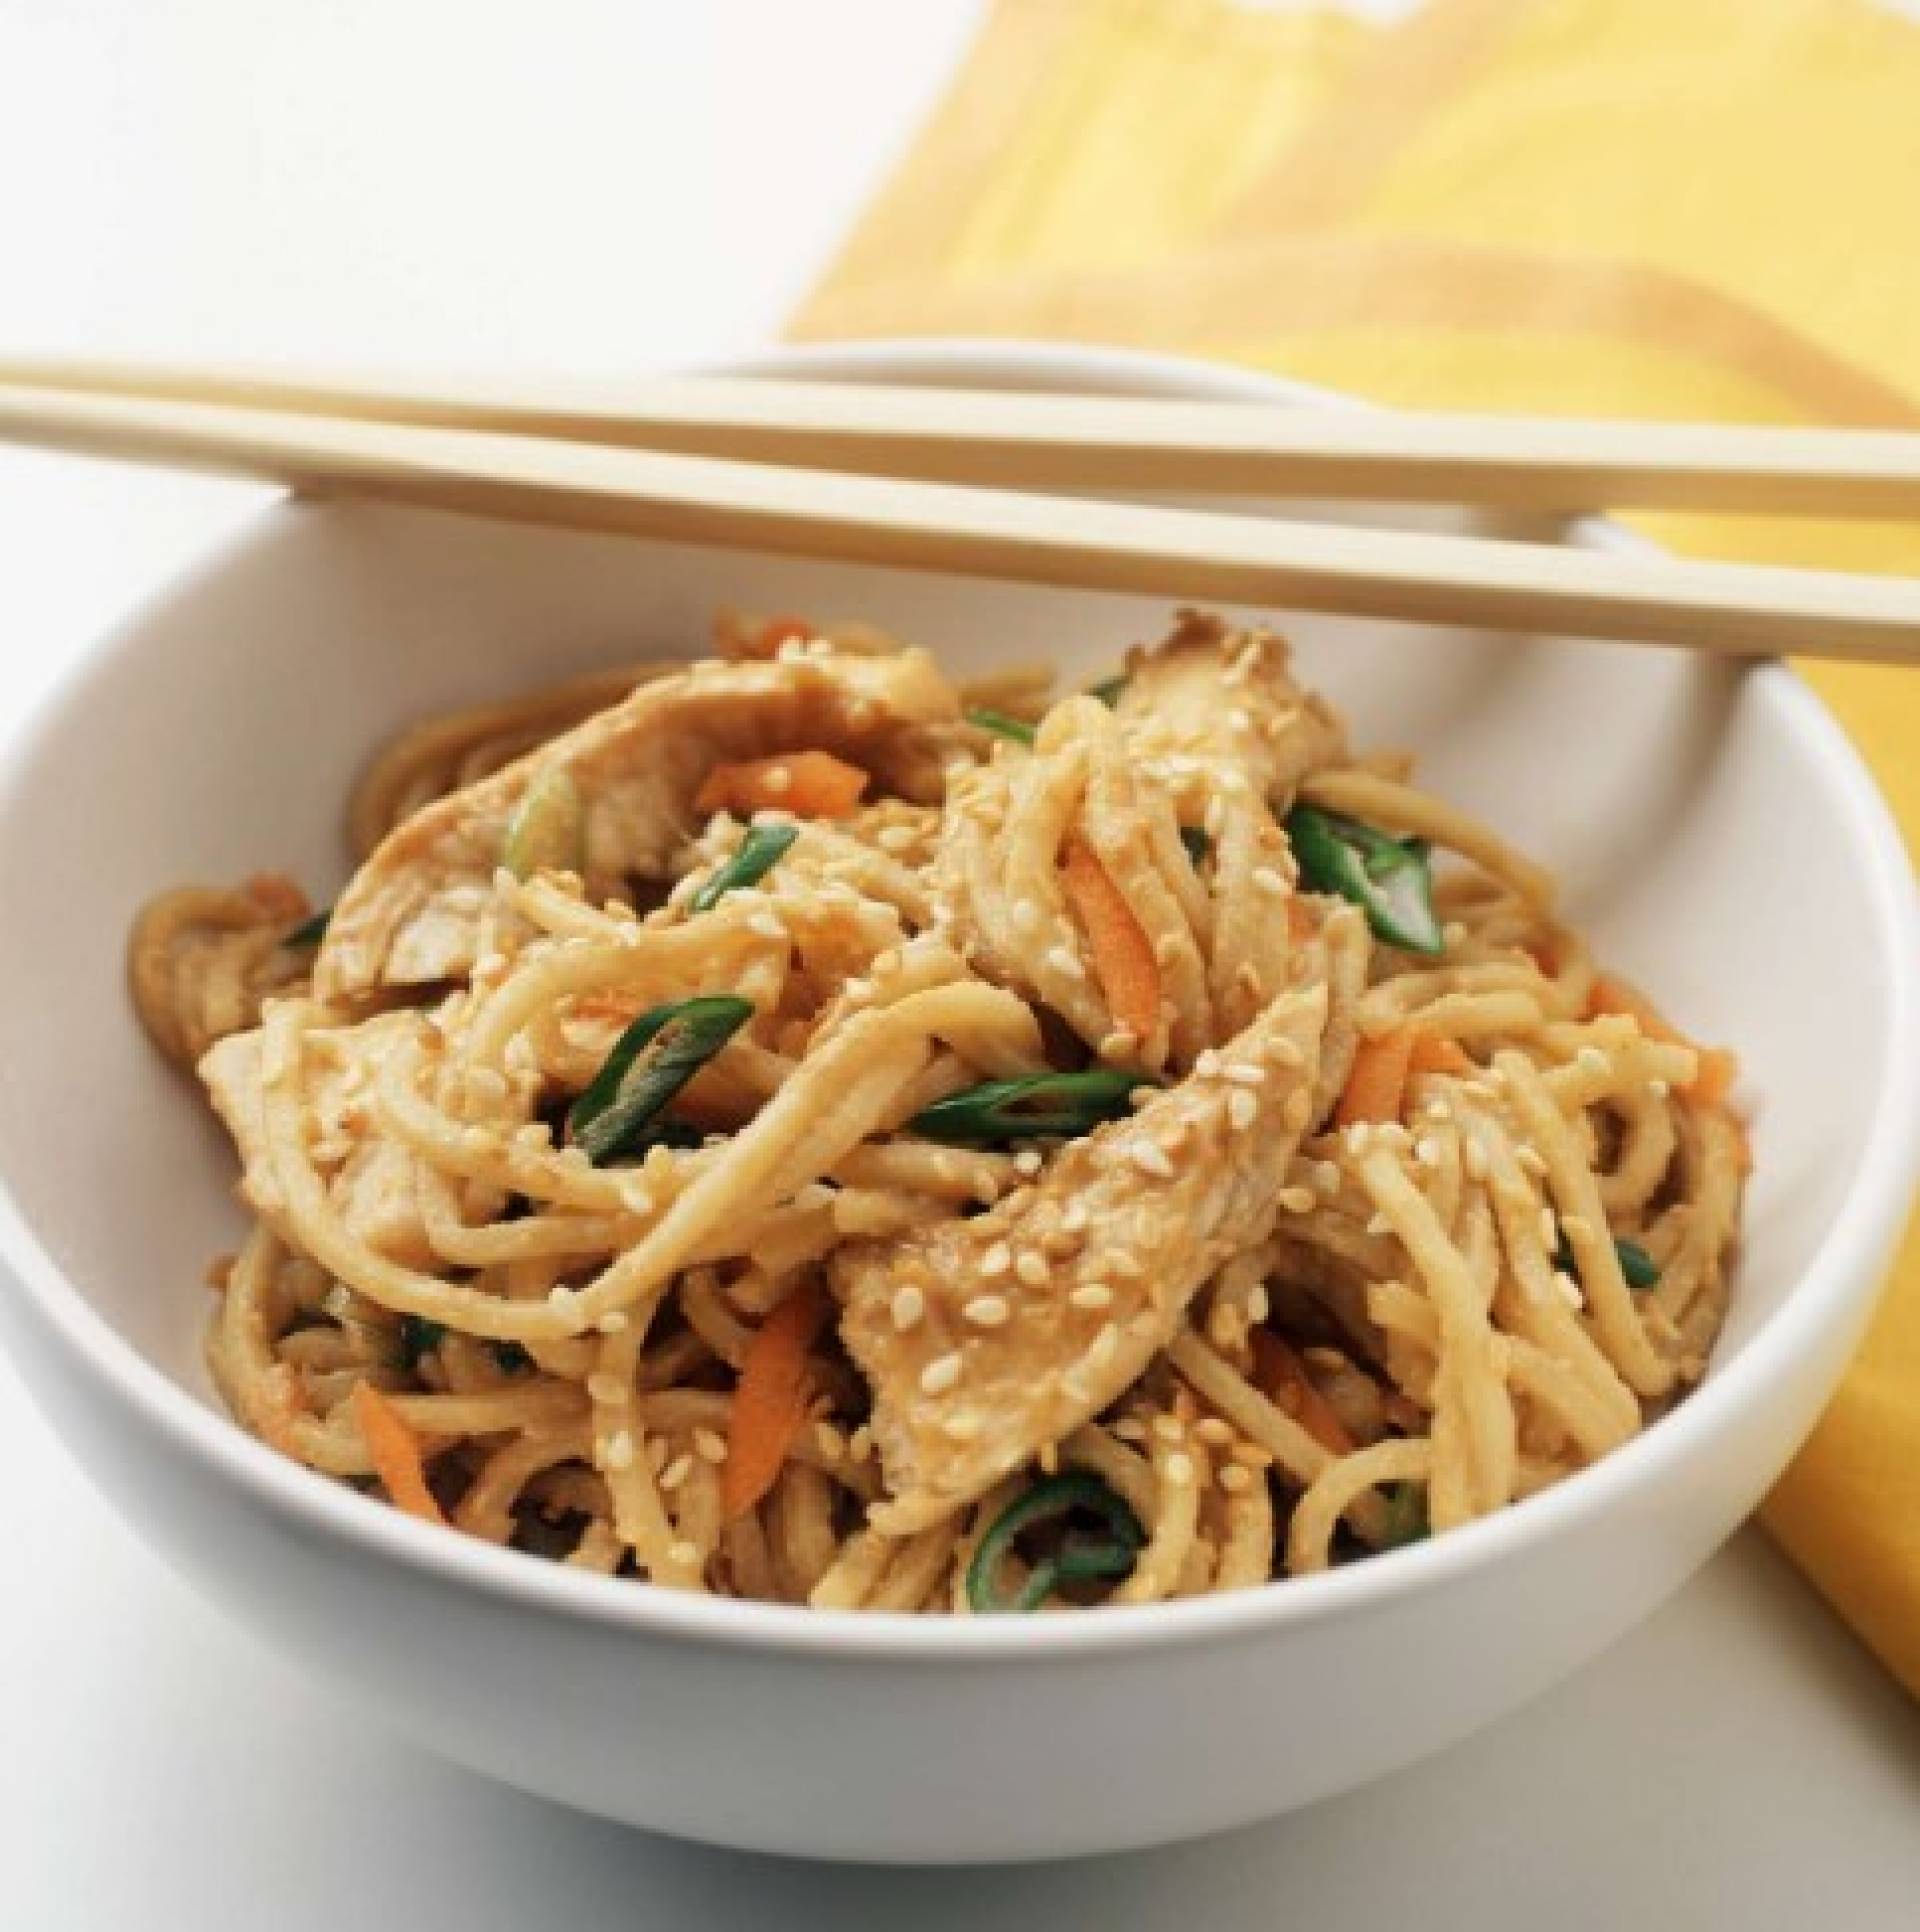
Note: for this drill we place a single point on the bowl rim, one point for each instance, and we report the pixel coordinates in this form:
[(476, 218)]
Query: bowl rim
[(1844, 1272)]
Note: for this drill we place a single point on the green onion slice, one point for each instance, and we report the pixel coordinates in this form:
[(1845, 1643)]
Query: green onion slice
[(651, 1061), (1108, 690), (1389, 879), (1041, 1106), (1406, 1516), (548, 829), (1636, 1264), (1108, 1547), (310, 931), (419, 1337), (1017, 730), (1198, 841), (759, 852)]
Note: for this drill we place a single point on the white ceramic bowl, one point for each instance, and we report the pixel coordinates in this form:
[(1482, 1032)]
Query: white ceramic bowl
[(1715, 829)]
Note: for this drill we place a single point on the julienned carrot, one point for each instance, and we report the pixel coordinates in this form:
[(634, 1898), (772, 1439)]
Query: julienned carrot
[(770, 1401), (1435, 1053), (1718, 1068), (1123, 958), (395, 1450), (809, 784), (1283, 1376), (1376, 1089)]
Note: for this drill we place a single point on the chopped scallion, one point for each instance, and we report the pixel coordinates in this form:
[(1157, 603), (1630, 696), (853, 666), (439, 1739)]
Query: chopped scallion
[(547, 832), (650, 1062), (759, 852), (1041, 1106), (1108, 1547), (1015, 730), (1389, 879)]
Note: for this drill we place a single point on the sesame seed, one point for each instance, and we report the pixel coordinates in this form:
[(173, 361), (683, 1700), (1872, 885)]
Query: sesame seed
[(683, 1553), (1074, 1220), (961, 1428), (1168, 1428), (617, 1451), (676, 1472), (986, 1311), (1268, 880), (896, 838), (1242, 1110), (767, 926), (708, 1446), (1206, 1063), (1026, 1162), (1427, 1151), (1092, 1296), (1066, 963), (1151, 1158), (777, 779), (1215, 1432), (1659, 1089), (1299, 1200), (1031, 1267), (1379, 1224), (1179, 1469), (1244, 1074), (1259, 1307), (1591, 1060), (997, 1260), (613, 1322), (941, 1374), (908, 1305), (1234, 1479)]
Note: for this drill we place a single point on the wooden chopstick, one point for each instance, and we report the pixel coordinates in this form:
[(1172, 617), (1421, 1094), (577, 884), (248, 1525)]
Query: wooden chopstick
[(1739, 610), (1048, 441)]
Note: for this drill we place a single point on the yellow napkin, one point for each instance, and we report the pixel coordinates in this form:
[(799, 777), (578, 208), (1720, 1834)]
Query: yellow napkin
[(1698, 208)]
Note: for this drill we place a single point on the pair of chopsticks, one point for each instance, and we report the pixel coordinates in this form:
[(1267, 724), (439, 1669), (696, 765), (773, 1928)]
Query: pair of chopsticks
[(980, 483)]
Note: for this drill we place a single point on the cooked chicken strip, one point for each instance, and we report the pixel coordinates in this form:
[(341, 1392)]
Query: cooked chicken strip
[(412, 913), (1211, 738), (370, 1179), (1228, 698), (986, 1339)]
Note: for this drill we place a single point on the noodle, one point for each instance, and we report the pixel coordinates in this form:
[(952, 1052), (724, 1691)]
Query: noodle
[(1180, 1335)]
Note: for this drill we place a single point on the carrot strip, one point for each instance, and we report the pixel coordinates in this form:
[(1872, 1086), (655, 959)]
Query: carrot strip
[(1435, 1053), (1718, 1068), (770, 1400), (1376, 1089), (395, 1450), (1283, 1377), (809, 784), (1123, 958)]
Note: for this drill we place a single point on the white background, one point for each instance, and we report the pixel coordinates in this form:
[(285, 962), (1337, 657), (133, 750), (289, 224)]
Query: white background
[(597, 187)]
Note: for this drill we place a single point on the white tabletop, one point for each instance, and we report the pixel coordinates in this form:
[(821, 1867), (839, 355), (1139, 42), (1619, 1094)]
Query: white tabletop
[(600, 186)]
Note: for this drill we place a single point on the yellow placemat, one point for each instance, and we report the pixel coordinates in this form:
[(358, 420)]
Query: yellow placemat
[(1699, 208)]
